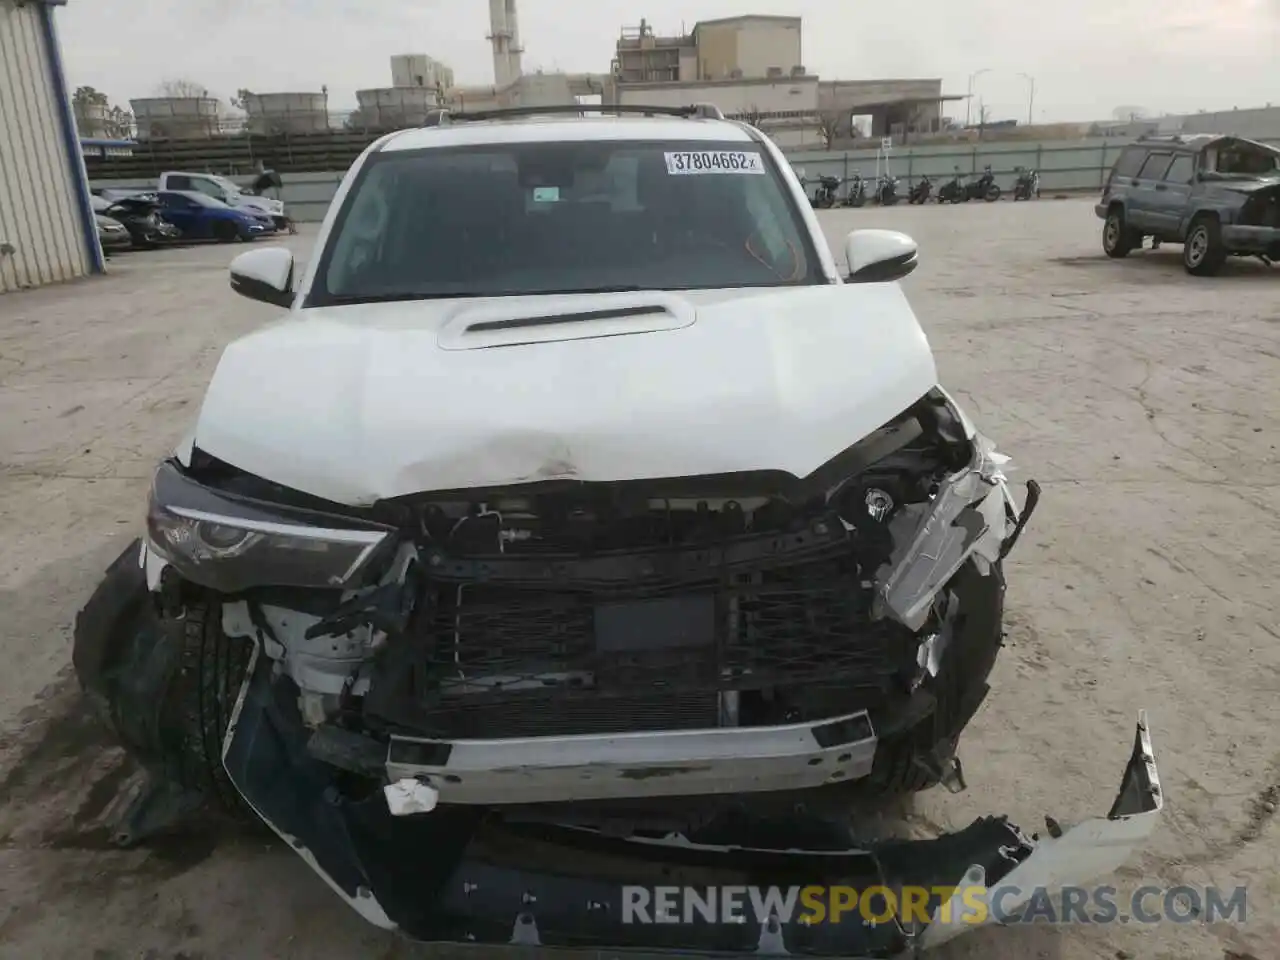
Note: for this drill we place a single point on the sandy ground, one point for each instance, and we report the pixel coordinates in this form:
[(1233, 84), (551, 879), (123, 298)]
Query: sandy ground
[(1144, 401)]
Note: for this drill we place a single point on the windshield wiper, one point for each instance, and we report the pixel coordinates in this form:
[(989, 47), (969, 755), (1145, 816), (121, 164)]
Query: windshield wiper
[(350, 299)]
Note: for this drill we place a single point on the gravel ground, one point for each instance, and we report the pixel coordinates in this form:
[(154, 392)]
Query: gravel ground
[(1143, 400)]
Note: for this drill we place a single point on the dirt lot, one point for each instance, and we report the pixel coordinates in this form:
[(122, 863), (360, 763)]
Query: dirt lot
[(1147, 404)]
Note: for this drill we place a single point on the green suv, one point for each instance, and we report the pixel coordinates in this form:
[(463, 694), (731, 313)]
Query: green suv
[(1218, 196)]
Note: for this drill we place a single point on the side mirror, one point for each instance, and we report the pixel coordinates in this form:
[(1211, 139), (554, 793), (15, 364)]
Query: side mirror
[(265, 275), (878, 256)]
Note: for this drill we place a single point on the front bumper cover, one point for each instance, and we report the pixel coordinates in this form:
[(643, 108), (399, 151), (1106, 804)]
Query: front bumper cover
[(460, 874)]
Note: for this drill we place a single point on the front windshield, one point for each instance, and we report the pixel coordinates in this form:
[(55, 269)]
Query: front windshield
[(228, 188), (508, 219), (1236, 158)]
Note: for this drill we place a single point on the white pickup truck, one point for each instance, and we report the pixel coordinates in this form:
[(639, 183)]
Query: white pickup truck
[(220, 188)]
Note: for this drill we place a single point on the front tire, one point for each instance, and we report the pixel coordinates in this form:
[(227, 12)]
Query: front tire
[(993, 193), (1203, 253), (166, 686), (224, 231), (1117, 238)]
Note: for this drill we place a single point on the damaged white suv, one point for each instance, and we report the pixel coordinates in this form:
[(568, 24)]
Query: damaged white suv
[(580, 497)]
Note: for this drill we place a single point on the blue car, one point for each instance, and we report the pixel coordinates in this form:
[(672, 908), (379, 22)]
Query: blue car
[(202, 217)]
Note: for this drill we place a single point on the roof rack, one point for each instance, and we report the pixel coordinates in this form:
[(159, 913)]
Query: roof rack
[(701, 111)]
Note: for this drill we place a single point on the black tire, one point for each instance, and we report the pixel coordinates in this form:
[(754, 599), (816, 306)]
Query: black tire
[(224, 231), (860, 200), (959, 688), (1117, 238), (165, 686), (213, 668), (1203, 252), (993, 193)]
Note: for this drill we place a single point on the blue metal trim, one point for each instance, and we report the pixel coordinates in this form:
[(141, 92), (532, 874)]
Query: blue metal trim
[(71, 139), (98, 142)]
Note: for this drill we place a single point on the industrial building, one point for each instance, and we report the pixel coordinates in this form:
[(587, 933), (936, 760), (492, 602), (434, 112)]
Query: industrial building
[(47, 229), (419, 70), (274, 114), (177, 118), (753, 67)]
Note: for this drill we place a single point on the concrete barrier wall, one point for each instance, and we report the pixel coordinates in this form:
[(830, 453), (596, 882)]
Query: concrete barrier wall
[(1064, 165)]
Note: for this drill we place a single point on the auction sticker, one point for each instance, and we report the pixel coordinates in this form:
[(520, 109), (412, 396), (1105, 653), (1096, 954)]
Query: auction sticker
[(714, 161)]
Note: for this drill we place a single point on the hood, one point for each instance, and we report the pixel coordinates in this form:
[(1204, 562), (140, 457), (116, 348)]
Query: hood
[(264, 204), (1249, 186), (360, 403)]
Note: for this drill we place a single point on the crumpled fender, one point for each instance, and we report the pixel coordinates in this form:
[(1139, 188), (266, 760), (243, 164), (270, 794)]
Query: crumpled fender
[(124, 660)]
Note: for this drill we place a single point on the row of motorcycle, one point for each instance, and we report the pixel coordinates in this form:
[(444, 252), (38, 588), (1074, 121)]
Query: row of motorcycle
[(959, 189)]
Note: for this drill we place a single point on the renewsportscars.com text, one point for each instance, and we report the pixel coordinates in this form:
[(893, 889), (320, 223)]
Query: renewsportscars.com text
[(967, 905)]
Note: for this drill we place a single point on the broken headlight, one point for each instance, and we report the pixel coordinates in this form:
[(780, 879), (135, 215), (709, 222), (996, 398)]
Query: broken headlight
[(229, 543)]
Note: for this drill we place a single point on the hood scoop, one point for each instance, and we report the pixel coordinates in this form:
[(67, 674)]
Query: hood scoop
[(550, 319)]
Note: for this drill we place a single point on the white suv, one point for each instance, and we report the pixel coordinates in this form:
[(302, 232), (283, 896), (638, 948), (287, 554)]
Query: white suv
[(580, 486)]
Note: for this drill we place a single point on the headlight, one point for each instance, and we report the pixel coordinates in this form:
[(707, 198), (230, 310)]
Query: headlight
[(229, 543)]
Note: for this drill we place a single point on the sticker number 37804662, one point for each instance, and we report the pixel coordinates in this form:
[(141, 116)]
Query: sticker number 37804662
[(715, 161)]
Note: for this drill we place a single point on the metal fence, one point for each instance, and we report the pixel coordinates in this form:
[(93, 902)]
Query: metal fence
[(1065, 166)]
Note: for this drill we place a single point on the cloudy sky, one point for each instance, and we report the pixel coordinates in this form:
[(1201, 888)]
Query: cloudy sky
[(1087, 56)]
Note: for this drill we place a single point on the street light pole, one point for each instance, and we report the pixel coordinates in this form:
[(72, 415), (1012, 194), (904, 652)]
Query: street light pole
[(1031, 96), (968, 100)]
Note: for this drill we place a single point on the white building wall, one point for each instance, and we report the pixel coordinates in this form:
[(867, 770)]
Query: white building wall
[(1257, 123), (43, 187), (419, 70), (763, 44), (785, 95)]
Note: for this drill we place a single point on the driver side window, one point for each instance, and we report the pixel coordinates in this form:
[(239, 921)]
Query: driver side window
[(361, 237)]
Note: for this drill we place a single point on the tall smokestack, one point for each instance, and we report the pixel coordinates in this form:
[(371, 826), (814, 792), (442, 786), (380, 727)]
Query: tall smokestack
[(504, 34)]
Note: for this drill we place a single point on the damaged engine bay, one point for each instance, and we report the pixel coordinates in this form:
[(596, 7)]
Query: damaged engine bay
[(567, 610)]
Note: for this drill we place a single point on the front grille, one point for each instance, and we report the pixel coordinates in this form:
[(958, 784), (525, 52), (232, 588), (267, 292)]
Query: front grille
[(490, 660), (795, 626)]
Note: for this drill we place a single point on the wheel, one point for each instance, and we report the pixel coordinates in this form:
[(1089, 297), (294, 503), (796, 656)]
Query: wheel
[(165, 686), (860, 200), (224, 231), (958, 689), (993, 193), (1117, 238), (1203, 253)]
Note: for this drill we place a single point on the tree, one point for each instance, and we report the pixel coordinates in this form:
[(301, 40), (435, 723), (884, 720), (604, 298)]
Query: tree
[(86, 96), (182, 89), (829, 122)]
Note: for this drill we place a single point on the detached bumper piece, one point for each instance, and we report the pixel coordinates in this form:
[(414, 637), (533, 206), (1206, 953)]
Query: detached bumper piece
[(463, 874)]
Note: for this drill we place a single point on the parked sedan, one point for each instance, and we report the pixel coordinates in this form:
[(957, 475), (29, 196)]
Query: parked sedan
[(140, 215), (112, 234), (201, 217)]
